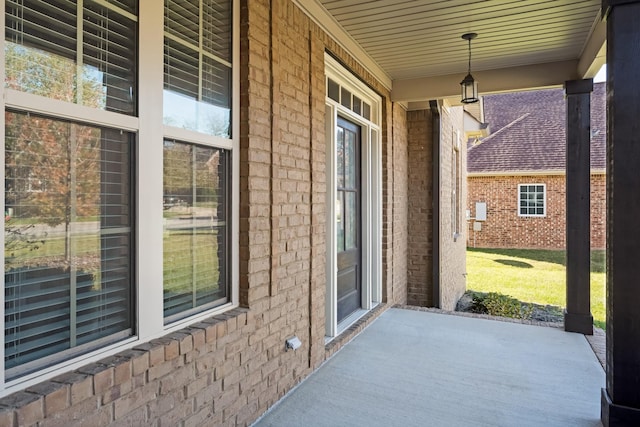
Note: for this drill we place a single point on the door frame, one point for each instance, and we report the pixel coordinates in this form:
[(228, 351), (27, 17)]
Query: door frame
[(371, 194), (345, 252)]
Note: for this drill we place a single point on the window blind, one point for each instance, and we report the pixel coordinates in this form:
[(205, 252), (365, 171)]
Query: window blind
[(217, 28), (42, 56), (109, 55), (46, 25), (68, 280), (199, 65), (196, 190)]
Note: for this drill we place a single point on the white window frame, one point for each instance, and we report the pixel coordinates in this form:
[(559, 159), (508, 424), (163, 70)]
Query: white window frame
[(148, 212), (371, 201), (233, 145), (544, 201)]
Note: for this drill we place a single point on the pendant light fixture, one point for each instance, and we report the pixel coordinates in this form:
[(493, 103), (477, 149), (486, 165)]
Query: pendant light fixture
[(468, 84)]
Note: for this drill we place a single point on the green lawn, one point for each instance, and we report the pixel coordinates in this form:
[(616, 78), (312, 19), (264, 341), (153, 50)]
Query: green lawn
[(532, 275)]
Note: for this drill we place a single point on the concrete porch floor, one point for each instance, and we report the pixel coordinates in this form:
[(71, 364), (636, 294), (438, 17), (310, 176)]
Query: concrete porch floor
[(415, 368)]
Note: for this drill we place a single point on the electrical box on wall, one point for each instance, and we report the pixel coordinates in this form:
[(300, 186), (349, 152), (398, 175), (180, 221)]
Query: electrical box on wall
[(477, 226), (481, 211)]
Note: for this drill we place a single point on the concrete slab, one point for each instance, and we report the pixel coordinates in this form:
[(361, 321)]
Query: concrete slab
[(413, 368)]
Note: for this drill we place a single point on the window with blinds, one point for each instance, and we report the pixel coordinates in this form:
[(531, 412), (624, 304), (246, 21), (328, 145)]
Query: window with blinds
[(43, 57), (68, 240), (198, 65), (196, 228)]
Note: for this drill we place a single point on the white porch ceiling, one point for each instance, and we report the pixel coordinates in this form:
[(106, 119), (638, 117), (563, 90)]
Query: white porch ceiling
[(417, 42)]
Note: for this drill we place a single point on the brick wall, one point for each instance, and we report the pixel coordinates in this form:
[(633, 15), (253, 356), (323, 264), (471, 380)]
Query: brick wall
[(505, 229), (452, 259), (229, 369), (452, 250), (400, 203), (598, 208), (420, 216)]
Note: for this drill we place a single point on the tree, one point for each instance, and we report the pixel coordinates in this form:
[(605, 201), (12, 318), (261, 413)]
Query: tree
[(52, 167)]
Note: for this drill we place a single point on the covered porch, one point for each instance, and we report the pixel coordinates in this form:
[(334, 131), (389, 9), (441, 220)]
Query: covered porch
[(521, 46), (448, 370)]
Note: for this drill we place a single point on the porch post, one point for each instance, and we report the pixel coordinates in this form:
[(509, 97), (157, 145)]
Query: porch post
[(435, 255), (577, 316), (621, 397)]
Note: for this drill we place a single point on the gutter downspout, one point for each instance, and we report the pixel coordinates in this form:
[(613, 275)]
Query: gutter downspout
[(435, 136)]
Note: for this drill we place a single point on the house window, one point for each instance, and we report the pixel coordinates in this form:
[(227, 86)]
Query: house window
[(99, 174), (79, 52), (68, 245), (197, 173), (196, 228), (197, 65), (532, 200), (68, 224), (348, 100)]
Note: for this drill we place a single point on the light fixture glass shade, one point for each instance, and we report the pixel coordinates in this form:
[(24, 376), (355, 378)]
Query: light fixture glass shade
[(469, 90)]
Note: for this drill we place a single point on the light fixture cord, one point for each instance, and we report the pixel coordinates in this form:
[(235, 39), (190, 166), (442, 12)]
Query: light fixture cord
[(469, 56)]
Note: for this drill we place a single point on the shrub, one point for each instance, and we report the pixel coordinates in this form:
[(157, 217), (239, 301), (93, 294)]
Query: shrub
[(496, 304)]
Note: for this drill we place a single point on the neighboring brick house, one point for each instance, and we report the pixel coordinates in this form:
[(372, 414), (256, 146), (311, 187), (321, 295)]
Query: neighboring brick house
[(518, 171), (186, 189)]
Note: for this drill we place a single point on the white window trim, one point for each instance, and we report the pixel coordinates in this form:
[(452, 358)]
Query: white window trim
[(544, 201), (147, 268), (371, 202)]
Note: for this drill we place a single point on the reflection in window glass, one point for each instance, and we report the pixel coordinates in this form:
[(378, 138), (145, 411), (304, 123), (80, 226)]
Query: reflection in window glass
[(350, 159), (351, 220), (340, 156), (67, 238), (340, 221), (196, 229), (197, 66), (42, 57)]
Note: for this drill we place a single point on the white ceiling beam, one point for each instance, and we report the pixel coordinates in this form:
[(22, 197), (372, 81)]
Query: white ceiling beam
[(525, 77), (594, 54)]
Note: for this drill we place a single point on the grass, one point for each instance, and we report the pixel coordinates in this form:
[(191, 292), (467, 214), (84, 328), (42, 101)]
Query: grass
[(191, 261), (533, 275)]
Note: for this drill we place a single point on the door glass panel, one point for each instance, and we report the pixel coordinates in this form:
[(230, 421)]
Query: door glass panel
[(350, 220), (340, 220), (349, 161), (340, 157), (366, 111), (333, 90), (345, 98)]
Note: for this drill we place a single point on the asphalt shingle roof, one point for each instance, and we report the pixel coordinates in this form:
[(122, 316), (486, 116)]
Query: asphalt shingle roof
[(528, 132)]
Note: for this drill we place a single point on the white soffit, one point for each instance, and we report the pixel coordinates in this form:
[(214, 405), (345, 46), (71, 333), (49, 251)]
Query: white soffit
[(314, 10), (416, 39)]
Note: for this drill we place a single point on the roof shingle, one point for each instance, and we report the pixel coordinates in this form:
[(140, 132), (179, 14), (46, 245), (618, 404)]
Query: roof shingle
[(528, 132)]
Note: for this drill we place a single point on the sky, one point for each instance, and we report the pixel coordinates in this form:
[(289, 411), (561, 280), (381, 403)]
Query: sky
[(602, 75)]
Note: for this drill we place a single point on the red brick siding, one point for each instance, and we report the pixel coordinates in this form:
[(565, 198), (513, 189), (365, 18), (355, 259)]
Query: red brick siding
[(598, 211), (505, 229), (400, 204), (452, 251), (452, 268), (420, 199)]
